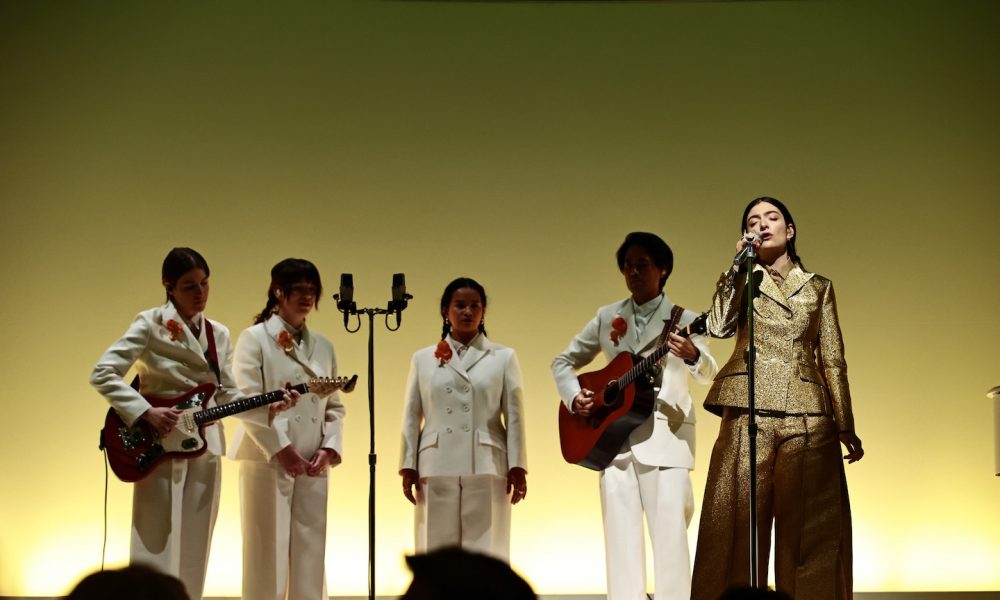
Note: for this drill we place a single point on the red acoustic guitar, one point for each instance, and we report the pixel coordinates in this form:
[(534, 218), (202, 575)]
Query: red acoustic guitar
[(134, 451), (623, 398)]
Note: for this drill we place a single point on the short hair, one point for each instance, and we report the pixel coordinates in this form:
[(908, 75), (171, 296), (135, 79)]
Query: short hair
[(455, 573), (134, 582), (658, 250)]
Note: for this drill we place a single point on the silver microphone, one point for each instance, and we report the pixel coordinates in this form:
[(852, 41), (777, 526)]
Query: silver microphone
[(748, 250)]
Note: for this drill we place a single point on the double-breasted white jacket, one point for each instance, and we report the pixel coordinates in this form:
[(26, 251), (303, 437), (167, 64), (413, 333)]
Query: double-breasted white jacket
[(262, 365), (464, 417), (284, 517), (666, 438)]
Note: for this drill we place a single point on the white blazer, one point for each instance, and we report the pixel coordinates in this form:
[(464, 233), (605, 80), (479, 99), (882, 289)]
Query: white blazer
[(464, 417), (262, 365), (166, 367), (666, 438)]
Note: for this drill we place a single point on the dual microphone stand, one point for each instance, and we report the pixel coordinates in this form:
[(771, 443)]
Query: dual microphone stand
[(347, 306)]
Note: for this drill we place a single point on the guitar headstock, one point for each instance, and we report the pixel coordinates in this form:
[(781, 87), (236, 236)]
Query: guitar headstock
[(324, 386), (696, 327)]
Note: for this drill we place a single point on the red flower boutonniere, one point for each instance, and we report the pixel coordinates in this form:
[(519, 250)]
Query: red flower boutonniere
[(176, 330), (286, 341), (618, 328), (442, 352)]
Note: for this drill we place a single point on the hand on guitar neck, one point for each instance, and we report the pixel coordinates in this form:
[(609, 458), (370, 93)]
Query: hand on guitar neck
[(616, 399), (290, 399), (680, 346)]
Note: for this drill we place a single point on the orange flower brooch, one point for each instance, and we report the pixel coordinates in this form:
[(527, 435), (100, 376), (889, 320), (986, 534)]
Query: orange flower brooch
[(176, 330), (286, 342), (442, 352), (618, 328)]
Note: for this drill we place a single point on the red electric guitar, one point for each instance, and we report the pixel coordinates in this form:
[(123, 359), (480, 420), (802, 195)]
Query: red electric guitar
[(623, 398), (134, 451)]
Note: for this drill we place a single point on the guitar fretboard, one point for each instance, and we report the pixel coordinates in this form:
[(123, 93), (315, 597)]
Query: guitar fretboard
[(642, 366), (696, 326), (244, 404)]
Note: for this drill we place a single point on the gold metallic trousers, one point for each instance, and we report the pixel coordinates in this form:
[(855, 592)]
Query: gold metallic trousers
[(800, 488)]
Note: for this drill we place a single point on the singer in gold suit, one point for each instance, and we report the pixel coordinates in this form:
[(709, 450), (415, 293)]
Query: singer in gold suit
[(804, 416)]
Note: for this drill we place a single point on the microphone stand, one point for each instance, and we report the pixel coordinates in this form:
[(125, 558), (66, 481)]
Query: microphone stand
[(748, 258), (349, 308)]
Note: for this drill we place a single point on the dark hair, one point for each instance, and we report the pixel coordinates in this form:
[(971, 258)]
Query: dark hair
[(792, 253), (456, 573), (658, 250), (284, 275), (134, 582), (178, 262), (449, 291)]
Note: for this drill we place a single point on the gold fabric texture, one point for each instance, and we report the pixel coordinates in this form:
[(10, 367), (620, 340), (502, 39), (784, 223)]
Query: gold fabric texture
[(801, 383), (800, 352), (800, 488)]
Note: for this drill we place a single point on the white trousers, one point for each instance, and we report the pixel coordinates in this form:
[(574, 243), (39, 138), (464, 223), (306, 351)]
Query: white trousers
[(629, 490), (471, 511), (173, 515), (284, 533)]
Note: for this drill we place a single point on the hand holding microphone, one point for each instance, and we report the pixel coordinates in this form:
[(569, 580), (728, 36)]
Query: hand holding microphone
[(746, 247)]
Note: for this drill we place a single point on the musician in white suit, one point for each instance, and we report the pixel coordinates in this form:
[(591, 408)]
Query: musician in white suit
[(174, 348), (463, 456), (283, 467), (650, 474)]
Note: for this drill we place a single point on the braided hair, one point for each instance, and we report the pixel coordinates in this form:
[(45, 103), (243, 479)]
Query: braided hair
[(449, 291)]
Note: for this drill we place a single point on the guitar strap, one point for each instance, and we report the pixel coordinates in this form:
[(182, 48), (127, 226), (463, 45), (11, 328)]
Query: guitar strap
[(675, 319), (210, 354)]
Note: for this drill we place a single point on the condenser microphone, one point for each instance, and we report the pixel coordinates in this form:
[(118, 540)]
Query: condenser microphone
[(399, 296), (345, 299)]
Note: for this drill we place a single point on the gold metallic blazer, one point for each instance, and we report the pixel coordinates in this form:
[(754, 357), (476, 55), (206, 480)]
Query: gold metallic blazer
[(800, 366)]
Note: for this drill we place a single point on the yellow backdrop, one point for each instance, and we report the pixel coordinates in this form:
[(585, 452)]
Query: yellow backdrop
[(515, 143)]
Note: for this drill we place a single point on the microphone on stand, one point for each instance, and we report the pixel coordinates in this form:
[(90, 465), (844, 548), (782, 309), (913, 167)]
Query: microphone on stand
[(748, 250), (400, 298), (345, 299)]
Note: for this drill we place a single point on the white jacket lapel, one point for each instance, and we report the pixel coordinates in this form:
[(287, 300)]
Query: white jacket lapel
[(480, 347), (274, 328), (185, 336)]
